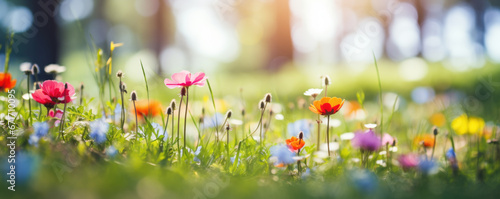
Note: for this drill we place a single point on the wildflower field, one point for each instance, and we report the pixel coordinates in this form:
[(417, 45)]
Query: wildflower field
[(190, 142), (111, 124)]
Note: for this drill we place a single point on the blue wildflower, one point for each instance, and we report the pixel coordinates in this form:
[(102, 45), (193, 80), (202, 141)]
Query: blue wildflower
[(213, 121), (294, 128), (428, 167), (450, 154), (196, 153), (111, 151), (282, 154), (364, 180), (452, 158), (41, 128), (33, 140), (98, 130), (118, 113)]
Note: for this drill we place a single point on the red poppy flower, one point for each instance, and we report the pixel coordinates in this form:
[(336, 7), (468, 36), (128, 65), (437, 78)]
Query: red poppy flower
[(6, 82), (52, 92), (185, 79), (295, 143), (327, 105)]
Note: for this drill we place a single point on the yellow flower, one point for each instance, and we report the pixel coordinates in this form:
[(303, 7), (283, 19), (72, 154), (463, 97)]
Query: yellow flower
[(437, 119), (112, 46), (467, 125)]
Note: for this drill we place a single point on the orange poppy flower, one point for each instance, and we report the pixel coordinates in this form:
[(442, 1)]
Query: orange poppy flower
[(6, 82), (154, 108), (427, 140), (295, 143), (327, 105)]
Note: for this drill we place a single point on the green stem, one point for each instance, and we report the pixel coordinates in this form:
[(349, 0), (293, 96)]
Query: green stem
[(172, 136), (319, 136), (61, 127), (433, 147), (29, 101), (380, 97), (328, 135), (136, 121), (185, 115)]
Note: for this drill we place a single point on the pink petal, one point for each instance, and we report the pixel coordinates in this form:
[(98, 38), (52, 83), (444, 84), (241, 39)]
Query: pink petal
[(40, 97), (180, 76), (52, 88), (171, 84), (51, 113), (202, 83), (187, 80), (198, 77), (70, 91)]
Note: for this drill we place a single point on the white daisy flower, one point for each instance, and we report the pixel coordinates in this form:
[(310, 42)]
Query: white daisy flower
[(313, 92), (54, 68)]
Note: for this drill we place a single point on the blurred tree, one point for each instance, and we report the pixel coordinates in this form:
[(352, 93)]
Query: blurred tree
[(162, 21), (43, 47), (281, 47)]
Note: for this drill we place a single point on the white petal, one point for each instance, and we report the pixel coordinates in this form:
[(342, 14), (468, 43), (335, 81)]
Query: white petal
[(347, 136)]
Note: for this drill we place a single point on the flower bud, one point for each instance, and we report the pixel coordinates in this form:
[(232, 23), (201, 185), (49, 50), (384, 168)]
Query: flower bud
[(268, 98), (124, 87), (172, 104), (169, 110), (326, 80), (242, 112), (65, 85), (435, 131), (229, 114), (35, 69), (228, 127), (262, 105), (133, 96), (301, 135), (119, 74), (183, 91)]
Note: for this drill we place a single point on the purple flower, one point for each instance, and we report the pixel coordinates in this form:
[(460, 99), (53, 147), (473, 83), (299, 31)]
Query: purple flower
[(366, 140)]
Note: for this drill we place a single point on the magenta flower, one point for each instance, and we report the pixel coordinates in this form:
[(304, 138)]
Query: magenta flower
[(366, 140), (408, 161), (185, 79), (388, 139), (58, 114), (52, 92)]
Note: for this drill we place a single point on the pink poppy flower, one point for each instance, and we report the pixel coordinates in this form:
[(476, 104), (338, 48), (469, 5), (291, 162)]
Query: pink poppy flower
[(185, 79), (57, 114), (408, 161), (52, 92), (388, 139)]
